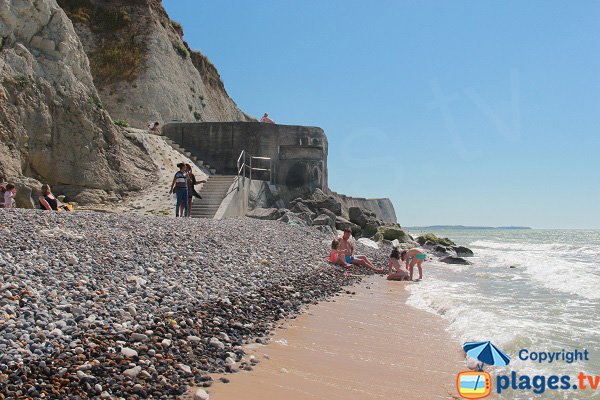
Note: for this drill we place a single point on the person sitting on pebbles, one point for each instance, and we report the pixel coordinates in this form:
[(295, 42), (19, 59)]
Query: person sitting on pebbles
[(347, 247), (47, 200), (414, 257), (396, 271), (337, 256)]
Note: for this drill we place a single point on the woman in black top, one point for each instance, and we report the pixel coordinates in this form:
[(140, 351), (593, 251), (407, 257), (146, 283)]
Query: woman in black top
[(191, 183), (47, 200)]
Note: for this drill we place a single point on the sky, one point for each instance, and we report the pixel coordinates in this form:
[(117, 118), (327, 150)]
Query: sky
[(461, 112)]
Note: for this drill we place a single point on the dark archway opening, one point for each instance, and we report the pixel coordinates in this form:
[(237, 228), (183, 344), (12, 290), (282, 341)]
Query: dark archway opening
[(297, 176)]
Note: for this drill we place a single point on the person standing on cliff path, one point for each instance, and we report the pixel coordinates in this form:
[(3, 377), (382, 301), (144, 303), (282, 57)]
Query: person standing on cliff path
[(180, 188), (153, 127), (191, 183), (265, 119)]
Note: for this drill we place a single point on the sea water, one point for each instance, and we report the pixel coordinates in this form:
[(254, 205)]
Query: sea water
[(526, 289)]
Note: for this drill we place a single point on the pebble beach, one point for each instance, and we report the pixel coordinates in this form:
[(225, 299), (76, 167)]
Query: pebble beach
[(133, 306)]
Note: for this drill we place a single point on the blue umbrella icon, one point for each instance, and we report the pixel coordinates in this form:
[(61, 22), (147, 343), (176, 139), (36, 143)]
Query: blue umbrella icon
[(487, 353)]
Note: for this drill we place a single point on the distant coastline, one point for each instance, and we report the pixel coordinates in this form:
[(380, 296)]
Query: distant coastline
[(466, 227)]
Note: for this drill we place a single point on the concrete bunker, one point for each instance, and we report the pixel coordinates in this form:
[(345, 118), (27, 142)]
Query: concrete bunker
[(298, 154)]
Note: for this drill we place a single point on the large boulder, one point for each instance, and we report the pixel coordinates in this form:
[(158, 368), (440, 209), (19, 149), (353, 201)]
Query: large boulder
[(363, 217), (357, 216), (307, 217), (326, 229), (438, 249), (325, 220), (369, 230), (462, 251), (393, 232), (266, 213), (342, 224), (292, 219), (455, 260), (327, 212), (367, 220), (28, 190), (321, 200), (433, 239), (299, 207)]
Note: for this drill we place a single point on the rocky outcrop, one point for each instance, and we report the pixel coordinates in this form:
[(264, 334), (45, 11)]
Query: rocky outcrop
[(454, 260), (343, 224), (443, 246), (383, 208), (142, 67), (462, 251), (433, 240), (53, 127), (266, 213), (394, 232), (367, 220)]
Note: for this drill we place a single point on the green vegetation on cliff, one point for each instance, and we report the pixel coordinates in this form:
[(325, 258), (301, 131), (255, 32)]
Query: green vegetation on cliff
[(119, 55)]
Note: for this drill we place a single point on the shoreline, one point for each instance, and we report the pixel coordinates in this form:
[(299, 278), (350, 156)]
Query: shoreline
[(326, 350)]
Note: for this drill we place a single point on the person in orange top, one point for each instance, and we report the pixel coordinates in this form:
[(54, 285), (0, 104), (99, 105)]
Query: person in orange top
[(265, 118)]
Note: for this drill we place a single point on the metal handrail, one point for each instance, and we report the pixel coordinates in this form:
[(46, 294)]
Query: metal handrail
[(270, 169), (241, 169)]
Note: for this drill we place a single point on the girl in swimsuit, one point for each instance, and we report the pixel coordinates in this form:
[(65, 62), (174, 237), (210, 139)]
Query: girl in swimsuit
[(400, 273), (414, 257)]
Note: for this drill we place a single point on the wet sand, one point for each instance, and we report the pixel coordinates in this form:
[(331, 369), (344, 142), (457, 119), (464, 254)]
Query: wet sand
[(368, 346)]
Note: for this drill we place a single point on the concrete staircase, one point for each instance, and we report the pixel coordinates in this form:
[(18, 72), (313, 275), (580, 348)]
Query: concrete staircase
[(213, 192), (200, 163)]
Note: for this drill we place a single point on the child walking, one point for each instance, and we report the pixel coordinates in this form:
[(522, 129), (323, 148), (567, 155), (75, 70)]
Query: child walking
[(9, 196)]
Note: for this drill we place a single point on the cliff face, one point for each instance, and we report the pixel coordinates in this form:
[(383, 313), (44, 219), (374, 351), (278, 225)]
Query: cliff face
[(66, 68), (143, 69), (383, 208), (53, 127)]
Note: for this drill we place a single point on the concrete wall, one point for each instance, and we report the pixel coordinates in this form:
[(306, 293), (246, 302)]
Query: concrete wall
[(235, 204), (298, 153)]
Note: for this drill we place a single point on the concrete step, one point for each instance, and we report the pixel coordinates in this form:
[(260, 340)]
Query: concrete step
[(217, 183), (208, 194), (212, 193), (211, 181), (221, 189), (216, 186)]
